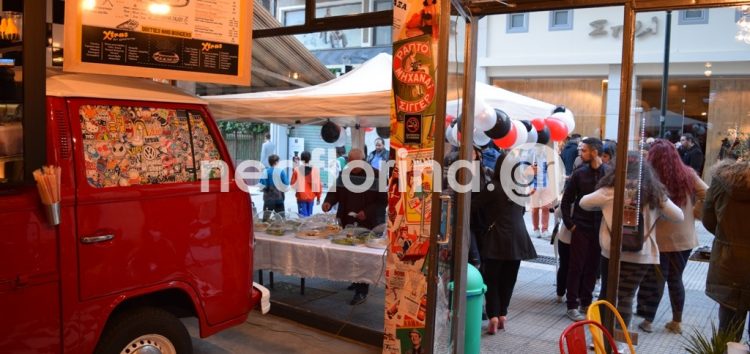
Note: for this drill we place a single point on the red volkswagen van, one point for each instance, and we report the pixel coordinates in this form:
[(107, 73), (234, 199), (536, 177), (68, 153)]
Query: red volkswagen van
[(138, 244)]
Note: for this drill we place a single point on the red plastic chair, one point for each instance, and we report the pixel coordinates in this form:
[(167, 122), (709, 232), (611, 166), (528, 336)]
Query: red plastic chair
[(574, 338)]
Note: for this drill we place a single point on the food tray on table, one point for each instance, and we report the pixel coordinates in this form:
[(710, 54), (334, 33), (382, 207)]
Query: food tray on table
[(377, 239), (352, 236), (319, 233), (376, 242), (317, 228), (277, 228), (347, 241), (264, 219)]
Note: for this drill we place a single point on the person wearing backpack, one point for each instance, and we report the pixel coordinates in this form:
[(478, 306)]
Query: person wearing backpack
[(306, 180), (654, 203), (273, 196)]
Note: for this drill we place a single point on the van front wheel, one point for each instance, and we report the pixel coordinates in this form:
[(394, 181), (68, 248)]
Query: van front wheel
[(145, 330)]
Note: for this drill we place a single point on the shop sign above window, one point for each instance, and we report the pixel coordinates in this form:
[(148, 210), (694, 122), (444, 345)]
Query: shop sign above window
[(602, 28), (192, 40)]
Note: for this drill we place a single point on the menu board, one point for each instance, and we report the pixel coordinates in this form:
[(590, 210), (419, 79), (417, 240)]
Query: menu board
[(193, 40)]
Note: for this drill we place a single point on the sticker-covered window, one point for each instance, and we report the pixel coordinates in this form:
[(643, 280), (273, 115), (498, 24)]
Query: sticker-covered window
[(125, 146), (204, 147)]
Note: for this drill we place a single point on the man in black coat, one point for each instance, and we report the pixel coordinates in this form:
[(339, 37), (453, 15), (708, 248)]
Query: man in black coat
[(691, 153), (584, 226), (366, 209)]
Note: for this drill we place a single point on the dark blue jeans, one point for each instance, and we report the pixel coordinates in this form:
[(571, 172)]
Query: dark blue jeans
[(672, 265), (304, 208)]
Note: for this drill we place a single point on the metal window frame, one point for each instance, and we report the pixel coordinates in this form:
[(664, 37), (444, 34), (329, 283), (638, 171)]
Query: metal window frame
[(509, 28), (560, 27), (373, 30), (312, 24)]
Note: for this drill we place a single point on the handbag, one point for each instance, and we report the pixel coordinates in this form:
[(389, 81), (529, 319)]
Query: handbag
[(633, 237)]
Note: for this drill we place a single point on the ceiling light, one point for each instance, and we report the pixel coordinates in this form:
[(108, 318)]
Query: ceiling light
[(88, 4), (158, 8)]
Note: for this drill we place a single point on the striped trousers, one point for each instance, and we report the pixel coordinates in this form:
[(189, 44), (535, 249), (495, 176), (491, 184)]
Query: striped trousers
[(631, 277)]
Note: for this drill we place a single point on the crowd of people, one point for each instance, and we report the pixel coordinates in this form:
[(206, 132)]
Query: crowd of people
[(671, 198)]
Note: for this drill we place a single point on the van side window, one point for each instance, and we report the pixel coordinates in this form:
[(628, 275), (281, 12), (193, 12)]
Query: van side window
[(11, 144), (125, 146), (204, 148)]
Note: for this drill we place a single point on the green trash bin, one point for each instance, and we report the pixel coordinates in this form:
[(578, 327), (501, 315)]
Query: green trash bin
[(475, 288)]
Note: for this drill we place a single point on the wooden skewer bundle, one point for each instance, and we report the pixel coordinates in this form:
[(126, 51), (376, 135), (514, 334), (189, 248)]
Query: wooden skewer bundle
[(48, 183)]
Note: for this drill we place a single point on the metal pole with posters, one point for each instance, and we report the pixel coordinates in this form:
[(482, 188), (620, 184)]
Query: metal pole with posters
[(416, 120), (622, 153), (431, 336)]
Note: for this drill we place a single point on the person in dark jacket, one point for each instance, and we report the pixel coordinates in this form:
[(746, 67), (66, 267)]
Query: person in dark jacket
[(584, 226), (691, 153), (273, 196), (504, 244), (379, 155), (570, 152), (367, 209), (725, 216)]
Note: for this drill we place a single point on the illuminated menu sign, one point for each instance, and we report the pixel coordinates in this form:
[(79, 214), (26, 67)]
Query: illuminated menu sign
[(194, 40)]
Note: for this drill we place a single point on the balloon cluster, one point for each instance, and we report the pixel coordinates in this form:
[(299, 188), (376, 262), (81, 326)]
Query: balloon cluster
[(332, 133), (494, 125)]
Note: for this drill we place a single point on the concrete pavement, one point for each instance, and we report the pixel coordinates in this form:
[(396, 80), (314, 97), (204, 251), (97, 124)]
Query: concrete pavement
[(535, 320), (270, 334)]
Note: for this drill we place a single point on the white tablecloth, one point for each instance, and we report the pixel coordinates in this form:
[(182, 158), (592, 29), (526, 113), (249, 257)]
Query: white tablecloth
[(319, 259)]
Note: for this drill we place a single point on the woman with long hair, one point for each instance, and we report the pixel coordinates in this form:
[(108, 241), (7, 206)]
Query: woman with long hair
[(675, 240), (504, 244), (654, 204)]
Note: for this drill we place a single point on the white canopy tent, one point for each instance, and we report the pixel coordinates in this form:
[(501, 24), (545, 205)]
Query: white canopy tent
[(361, 96)]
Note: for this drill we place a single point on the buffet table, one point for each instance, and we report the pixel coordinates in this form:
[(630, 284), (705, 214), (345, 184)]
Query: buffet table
[(318, 258)]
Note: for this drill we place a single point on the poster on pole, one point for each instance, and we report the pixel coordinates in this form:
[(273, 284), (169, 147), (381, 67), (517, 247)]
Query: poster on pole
[(191, 40), (410, 186)]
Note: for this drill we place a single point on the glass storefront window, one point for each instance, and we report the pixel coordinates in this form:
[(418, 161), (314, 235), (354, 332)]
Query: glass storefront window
[(708, 86)]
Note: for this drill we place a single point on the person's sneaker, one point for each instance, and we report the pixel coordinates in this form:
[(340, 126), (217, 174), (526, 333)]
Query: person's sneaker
[(358, 299), (646, 326), (559, 299), (674, 327), (537, 233), (546, 235), (585, 311), (575, 315)]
